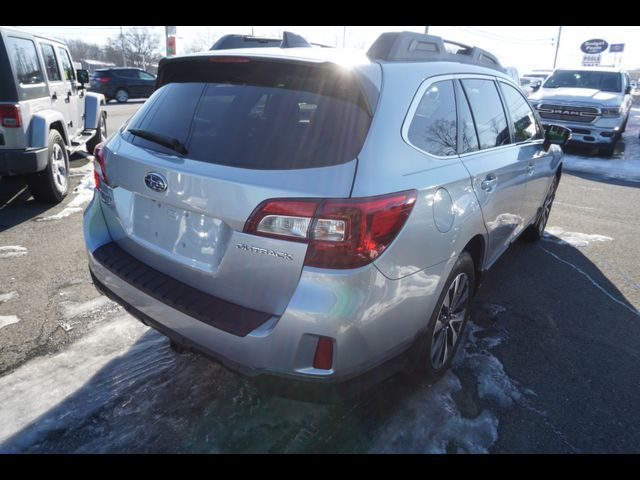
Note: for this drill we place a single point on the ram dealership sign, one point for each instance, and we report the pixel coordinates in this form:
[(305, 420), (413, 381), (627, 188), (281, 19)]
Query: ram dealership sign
[(594, 46)]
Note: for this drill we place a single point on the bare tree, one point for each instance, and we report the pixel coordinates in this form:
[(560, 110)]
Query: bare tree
[(81, 50), (203, 41), (141, 48)]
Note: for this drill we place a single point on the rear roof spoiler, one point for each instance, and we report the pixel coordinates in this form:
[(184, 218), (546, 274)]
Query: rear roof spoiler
[(420, 47)]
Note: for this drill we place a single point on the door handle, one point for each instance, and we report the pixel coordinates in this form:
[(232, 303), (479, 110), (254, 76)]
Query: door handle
[(54, 96), (68, 99), (489, 183), (530, 169)]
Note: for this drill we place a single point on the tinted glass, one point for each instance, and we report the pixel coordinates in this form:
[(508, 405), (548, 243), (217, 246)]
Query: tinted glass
[(468, 135), (489, 116), (25, 60), (69, 73), (50, 63), (146, 76), (127, 73), (433, 127), (525, 126), (604, 81), (252, 126)]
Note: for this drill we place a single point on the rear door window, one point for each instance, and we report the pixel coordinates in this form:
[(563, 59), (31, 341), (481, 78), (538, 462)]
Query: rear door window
[(69, 73), (25, 60), (50, 62), (433, 126), (284, 123), (490, 119), (523, 119)]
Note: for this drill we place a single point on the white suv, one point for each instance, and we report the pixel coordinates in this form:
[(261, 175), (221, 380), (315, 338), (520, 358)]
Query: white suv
[(45, 112)]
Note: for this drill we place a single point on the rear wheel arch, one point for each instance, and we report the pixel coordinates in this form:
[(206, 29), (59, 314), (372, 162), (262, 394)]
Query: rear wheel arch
[(476, 248), (60, 128)]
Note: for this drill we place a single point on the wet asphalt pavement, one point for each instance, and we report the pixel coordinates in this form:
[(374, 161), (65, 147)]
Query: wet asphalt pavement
[(550, 363)]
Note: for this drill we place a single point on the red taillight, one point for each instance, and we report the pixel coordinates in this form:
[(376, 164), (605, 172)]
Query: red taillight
[(11, 116), (323, 359), (104, 79), (341, 233), (99, 171)]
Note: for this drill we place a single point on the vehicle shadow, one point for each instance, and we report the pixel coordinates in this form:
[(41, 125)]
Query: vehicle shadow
[(569, 347), (16, 203)]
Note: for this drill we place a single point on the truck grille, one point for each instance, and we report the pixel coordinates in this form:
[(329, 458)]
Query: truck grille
[(568, 113)]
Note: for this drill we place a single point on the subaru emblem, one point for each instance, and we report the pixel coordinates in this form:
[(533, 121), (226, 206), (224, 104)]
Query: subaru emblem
[(155, 182)]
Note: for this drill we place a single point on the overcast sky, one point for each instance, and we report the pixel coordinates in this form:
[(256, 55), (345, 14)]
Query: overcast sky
[(525, 47)]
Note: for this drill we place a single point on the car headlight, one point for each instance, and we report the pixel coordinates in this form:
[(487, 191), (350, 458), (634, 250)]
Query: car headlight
[(535, 104), (611, 112)]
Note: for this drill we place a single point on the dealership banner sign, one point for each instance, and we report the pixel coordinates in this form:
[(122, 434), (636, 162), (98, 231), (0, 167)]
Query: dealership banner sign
[(594, 46)]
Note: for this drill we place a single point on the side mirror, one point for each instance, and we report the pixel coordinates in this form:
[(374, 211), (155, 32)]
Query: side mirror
[(83, 77), (535, 86), (556, 135), (627, 90)]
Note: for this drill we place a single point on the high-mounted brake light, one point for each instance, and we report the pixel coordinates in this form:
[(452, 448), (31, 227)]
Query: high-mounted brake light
[(10, 116), (99, 171), (341, 233), (227, 59)]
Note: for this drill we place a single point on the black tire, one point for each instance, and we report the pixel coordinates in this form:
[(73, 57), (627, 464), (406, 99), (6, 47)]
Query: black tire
[(100, 136), (176, 347), (624, 126), (607, 150), (535, 231), (121, 95), (52, 184), (427, 347)]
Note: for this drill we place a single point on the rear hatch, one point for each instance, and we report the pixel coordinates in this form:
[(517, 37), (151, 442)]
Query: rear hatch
[(240, 130)]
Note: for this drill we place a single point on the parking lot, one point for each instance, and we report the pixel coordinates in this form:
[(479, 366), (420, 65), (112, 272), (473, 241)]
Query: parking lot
[(550, 362)]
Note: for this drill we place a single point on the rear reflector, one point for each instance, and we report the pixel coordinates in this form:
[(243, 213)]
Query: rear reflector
[(341, 233), (10, 116), (323, 359)]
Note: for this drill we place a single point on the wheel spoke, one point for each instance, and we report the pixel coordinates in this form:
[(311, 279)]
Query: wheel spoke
[(453, 335)]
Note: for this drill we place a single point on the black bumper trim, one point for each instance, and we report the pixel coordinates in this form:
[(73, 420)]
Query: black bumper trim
[(201, 306), (18, 162)]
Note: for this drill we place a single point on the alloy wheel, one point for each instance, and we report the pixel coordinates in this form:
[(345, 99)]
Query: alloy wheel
[(450, 321)]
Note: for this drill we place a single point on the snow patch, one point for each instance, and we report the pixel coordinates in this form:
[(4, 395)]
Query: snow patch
[(430, 422), (575, 239), (75, 313), (627, 168), (12, 251), (45, 382), (84, 193), (5, 297), (8, 320)]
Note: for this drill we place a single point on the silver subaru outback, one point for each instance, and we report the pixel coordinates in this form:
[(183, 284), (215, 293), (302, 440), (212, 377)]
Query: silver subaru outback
[(315, 214)]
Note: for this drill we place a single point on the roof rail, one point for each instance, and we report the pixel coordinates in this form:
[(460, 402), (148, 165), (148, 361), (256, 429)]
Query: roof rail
[(291, 40), (420, 47)]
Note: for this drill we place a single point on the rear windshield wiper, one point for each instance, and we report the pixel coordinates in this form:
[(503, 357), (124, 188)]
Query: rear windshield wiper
[(160, 139)]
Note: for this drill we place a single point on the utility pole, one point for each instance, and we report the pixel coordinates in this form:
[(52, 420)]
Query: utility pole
[(555, 59), (344, 36), (426, 29), (124, 57)]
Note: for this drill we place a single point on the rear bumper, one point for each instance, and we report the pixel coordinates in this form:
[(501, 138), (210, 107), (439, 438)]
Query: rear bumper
[(17, 162), (372, 320)]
